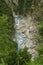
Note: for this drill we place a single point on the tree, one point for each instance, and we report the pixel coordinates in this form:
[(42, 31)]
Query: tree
[(6, 43), (23, 56)]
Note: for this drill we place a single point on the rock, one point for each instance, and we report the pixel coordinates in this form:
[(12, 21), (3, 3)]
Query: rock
[(25, 32)]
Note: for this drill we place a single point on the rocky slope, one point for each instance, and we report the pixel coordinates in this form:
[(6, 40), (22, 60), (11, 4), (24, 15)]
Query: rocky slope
[(26, 30)]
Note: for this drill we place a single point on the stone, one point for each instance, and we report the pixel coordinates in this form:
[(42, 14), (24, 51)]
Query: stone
[(25, 33)]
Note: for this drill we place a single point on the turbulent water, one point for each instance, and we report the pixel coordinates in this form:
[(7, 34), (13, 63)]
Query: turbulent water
[(25, 33)]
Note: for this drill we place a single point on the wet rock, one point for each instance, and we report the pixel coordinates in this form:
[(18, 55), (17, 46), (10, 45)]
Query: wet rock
[(25, 32)]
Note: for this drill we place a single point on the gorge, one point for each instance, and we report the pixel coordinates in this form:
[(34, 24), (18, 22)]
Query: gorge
[(26, 30)]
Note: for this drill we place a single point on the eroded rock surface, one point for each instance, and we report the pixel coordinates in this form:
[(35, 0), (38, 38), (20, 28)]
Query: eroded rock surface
[(25, 33)]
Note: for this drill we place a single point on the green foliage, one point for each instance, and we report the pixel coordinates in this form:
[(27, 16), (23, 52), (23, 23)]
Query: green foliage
[(20, 6), (17, 58), (11, 58), (2, 63), (23, 56), (3, 7), (40, 49), (8, 48), (28, 5), (33, 63), (39, 18), (41, 30), (24, 6), (6, 44)]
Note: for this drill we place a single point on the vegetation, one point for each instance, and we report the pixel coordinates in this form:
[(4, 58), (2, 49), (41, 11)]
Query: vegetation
[(8, 48)]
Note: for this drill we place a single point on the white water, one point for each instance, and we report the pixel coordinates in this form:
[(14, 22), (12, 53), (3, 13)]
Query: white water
[(21, 38), (24, 28)]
